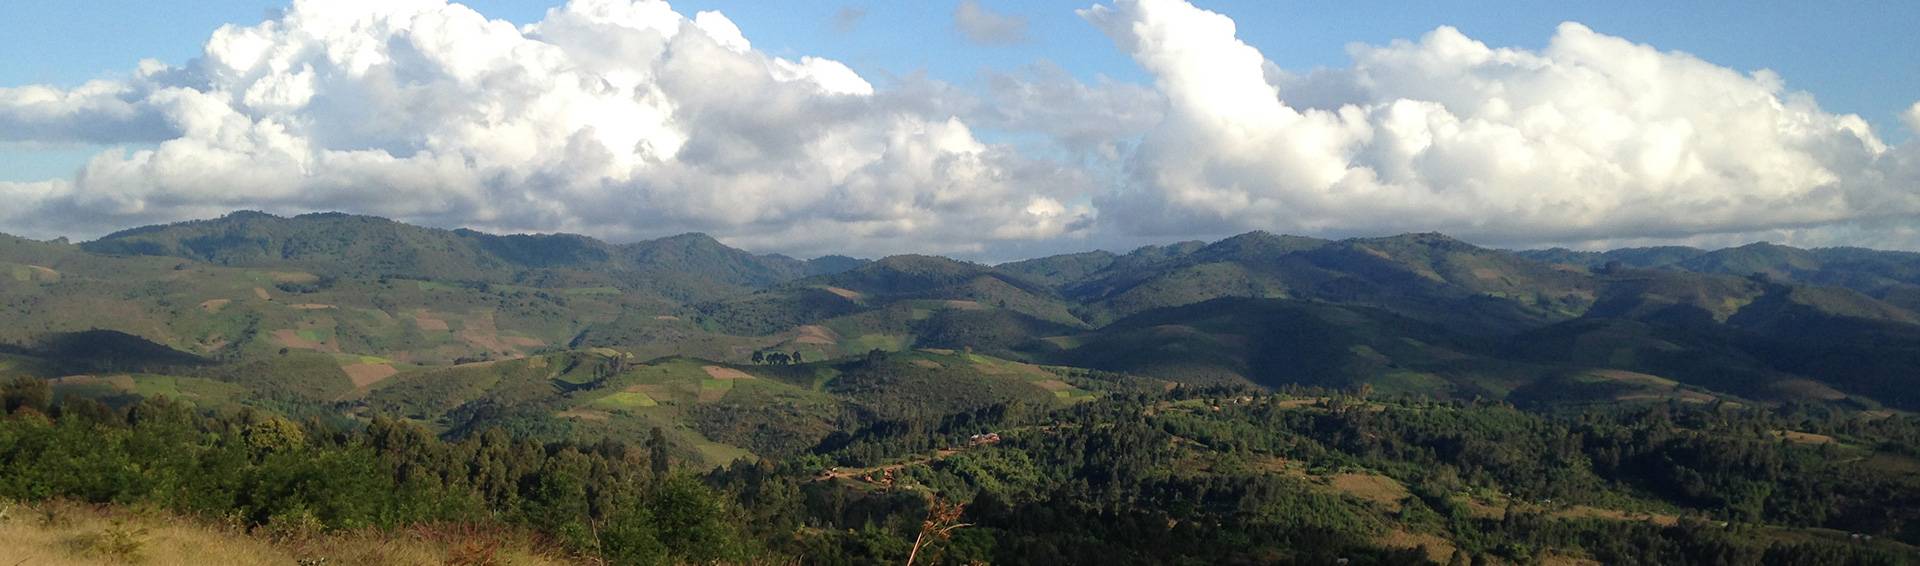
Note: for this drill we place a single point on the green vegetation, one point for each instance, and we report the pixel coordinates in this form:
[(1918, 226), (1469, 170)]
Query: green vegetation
[(1261, 399)]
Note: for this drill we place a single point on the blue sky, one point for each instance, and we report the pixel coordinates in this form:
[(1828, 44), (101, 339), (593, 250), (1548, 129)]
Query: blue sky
[(1853, 57)]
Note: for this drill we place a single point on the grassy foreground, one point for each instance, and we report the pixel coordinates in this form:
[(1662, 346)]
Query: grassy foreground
[(63, 533)]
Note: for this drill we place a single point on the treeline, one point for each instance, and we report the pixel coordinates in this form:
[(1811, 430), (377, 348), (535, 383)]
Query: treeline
[(608, 500), (1139, 476)]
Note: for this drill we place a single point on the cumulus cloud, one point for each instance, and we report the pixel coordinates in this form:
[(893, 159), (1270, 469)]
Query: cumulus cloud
[(618, 118), (1097, 119), (626, 119), (987, 27), (1592, 137)]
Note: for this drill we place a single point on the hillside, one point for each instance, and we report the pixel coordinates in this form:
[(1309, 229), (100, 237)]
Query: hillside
[(1391, 399)]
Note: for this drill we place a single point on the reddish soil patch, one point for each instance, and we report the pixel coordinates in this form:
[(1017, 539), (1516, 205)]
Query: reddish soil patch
[(311, 307), (292, 339), (718, 372), (427, 322), (262, 294), (214, 305), (364, 375), (522, 341)]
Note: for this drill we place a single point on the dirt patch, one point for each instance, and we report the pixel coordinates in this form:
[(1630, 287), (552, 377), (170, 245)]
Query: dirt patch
[(427, 322), (848, 294), (214, 305), (941, 351), (364, 375), (584, 414), (1485, 274), (479, 330), (965, 305), (291, 339), (1371, 487), (312, 307), (1053, 385), (928, 364), (44, 274), (815, 334), (665, 317), (261, 292), (718, 372), (1798, 437)]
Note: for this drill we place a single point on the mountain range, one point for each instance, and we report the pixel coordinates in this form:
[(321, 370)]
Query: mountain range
[(1416, 313), (1397, 399)]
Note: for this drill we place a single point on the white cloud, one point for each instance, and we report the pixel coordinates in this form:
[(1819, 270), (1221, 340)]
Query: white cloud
[(624, 119), (1095, 119), (617, 118), (1912, 117), (1591, 137), (984, 26)]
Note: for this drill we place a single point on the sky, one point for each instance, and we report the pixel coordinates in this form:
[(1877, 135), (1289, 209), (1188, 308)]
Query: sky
[(984, 129)]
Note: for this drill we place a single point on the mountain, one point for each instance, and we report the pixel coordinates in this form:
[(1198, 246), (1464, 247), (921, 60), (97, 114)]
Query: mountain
[(1259, 399), (684, 267), (1416, 313)]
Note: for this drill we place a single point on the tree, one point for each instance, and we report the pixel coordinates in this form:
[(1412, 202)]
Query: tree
[(796, 356), (657, 453), (759, 357), (26, 392)]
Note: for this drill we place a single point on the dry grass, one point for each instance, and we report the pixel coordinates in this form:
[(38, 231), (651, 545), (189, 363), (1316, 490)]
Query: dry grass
[(1438, 549), (66, 534), (847, 294), (815, 334), (718, 372), (1586, 512), (365, 375), (1798, 437), (1370, 487)]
